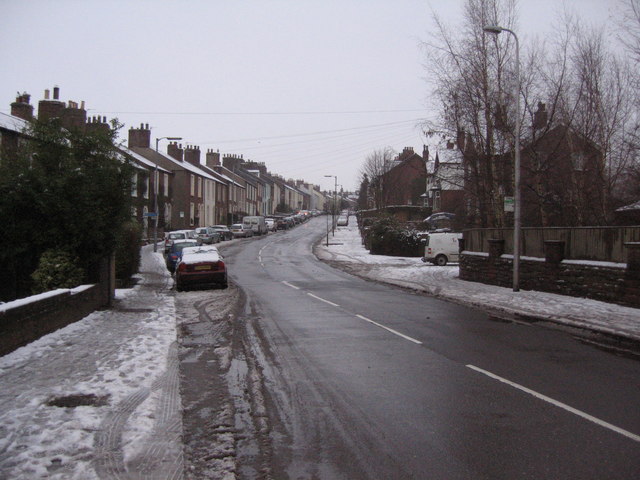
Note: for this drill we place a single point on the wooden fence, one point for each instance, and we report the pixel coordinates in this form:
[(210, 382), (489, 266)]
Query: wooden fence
[(604, 244)]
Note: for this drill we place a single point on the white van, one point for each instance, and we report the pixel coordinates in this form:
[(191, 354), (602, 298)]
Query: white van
[(442, 247), (257, 224)]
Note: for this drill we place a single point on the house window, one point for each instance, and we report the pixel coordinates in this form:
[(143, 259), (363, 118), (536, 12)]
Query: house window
[(166, 184), (193, 185), (199, 187), (134, 185), (192, 214), (578, 161), (145, 193)]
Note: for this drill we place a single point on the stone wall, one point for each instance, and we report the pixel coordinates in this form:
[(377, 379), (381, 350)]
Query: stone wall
[(25, 320), (605, 281)]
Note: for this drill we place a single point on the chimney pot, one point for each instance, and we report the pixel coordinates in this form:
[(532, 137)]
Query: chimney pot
[(46, 94), (56, 93)]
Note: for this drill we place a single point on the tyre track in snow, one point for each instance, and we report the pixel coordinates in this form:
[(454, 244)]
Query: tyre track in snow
[(159, 458)]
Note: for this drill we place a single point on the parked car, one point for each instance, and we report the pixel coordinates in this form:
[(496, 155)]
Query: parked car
[(271, 224), (223, 230), (207, 235), (201, 266), (241, 231), (442, 247), (175, 252), (169, 238), (343, 221), (283, 224)]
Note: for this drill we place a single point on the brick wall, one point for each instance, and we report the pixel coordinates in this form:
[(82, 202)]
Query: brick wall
[(606, 281), (26, 320)]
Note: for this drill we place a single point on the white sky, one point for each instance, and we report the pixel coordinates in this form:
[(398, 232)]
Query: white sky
[(290, 83)]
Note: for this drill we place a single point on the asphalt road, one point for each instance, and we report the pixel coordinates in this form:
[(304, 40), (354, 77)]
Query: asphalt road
[(360, 380)]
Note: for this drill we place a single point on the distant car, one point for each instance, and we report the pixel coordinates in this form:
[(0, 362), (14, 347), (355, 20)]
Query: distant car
[(271, 224), (241, 231), (207, 235), (283, 224), (201, 266), (343, 221), (169, 238), (223, 230), (175, 252)]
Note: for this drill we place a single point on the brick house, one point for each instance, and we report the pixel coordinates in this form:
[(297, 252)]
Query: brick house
[(187, 192), (445, 182), (405, 181)]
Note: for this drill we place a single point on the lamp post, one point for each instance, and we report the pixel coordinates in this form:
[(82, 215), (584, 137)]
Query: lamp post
[(335, 201), (517, 207), (155, 194)]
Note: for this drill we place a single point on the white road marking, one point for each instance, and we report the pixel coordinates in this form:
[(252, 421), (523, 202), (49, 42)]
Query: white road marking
[(564, 406), (322, 299), (390, 330), (292, 286)]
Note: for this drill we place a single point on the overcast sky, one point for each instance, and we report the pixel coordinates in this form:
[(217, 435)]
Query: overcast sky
[(307, 87)]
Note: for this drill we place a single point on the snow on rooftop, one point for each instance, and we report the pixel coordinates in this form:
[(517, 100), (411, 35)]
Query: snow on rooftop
[(10, 122)]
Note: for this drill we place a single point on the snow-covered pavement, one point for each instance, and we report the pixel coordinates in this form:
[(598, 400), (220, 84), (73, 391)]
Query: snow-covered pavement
[(99, 398), (346, 247)]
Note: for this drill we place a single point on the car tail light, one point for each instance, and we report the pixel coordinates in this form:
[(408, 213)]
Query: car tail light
[(182, 267), (220, 265)]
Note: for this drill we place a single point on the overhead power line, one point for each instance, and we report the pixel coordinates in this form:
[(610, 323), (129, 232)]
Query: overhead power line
[(319, 112)]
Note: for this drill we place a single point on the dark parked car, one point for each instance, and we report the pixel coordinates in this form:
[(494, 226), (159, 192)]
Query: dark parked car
[(175, 252), (223, 230), (201, 266)]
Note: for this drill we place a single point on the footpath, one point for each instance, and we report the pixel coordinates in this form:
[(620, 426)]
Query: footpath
[(98, 399)]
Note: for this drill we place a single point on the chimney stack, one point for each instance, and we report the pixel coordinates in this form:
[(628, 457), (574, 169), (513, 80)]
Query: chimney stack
[(140, 137), (212, 158), (192, 155), (50, 108), (540, 117), (22, 108), (175, 151)]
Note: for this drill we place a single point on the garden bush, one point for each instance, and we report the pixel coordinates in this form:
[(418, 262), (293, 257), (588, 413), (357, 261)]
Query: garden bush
[(128, 252), (386, 236), (57, 269)]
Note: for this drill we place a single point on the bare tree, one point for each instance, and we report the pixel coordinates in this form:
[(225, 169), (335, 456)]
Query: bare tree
[(375, 166), (471, 75), (578, 93)]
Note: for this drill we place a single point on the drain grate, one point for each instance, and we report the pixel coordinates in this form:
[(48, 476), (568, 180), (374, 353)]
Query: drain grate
[(79, 400), (135, 310)]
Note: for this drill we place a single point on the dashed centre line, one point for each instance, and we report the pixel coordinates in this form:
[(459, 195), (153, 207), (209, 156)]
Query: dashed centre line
[(395, 332), (390, 330), (292, 286), (322, 299), (564, 406)]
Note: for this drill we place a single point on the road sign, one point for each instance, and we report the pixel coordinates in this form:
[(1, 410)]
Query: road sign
[(509, 204), (151, 214)]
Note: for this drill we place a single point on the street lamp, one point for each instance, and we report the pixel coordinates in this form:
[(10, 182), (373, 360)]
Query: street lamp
[(155, 194), (517, 207), (335, 201)]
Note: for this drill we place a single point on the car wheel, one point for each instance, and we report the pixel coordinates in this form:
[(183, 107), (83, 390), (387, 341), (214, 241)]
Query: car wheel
[(441, 260)]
